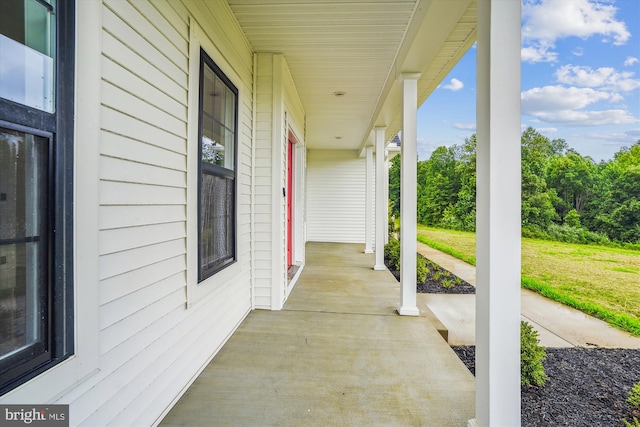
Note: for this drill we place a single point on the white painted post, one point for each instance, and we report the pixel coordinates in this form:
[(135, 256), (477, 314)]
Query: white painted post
[(408, 198), (386, 197), (498, 215), (278, 154), (381, 201), (368, 202)]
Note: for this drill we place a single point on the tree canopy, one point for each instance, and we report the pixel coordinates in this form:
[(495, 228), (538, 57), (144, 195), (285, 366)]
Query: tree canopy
[(565, 196)]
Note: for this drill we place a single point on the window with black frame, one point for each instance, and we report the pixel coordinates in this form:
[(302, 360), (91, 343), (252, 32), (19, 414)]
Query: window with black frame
[(36, 147), (217, 169)]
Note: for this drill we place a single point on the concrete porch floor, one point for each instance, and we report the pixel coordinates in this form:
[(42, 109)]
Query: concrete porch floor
[(337, 355)]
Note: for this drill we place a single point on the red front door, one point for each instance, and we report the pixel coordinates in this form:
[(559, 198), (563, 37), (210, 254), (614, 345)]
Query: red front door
[(289, 203)]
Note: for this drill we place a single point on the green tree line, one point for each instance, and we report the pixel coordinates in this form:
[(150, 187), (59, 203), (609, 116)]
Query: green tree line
[(565, 196)]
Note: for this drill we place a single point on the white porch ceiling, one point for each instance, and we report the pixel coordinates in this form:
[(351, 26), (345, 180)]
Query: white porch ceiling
[(359, 47)]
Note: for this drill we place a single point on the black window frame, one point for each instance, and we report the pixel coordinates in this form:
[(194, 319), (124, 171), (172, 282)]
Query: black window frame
[(204, 168), (59, 128)]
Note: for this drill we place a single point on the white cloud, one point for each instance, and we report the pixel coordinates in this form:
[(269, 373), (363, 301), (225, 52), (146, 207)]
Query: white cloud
[(554, 19), (565, 105), (630, 136), (605, 78), (454, 85), (630, 61), (533, 123), (556, 98), (547, 130), (427, 146), (587, 118), (579, 51), (538, 54), (545, 21), (465, 126)]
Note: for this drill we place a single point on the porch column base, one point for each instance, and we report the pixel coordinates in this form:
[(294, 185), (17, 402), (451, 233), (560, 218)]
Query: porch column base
[(381, 217), (404, 310), (368, 251), (473, 423)]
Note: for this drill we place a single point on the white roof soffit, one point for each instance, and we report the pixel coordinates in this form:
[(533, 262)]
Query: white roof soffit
[(358, 48)]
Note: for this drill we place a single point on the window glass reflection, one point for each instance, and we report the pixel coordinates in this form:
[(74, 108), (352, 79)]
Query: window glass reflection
[(27, 52), (23, 246), (218, 121)]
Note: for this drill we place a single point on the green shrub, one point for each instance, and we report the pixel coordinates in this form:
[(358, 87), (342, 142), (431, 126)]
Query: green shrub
[(392, 253), (572, 219), (421, 269), (634, 395), (567, 233), (532, 354), (635, 423)]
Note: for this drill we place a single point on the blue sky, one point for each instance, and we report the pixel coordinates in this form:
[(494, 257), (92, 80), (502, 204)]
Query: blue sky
[(580, 79)]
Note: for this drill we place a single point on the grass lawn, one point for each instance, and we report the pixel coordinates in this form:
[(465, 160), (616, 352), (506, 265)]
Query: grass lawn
[(598, 280)]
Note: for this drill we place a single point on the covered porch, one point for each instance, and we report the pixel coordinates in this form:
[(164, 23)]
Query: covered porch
[(337, 354)]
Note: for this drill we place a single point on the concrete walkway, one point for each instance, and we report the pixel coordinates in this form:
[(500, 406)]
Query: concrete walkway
[(557, 324), (337, 355)]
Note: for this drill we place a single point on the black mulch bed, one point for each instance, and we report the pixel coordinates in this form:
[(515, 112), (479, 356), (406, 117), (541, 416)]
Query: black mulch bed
[(437, 278), (586, 387)]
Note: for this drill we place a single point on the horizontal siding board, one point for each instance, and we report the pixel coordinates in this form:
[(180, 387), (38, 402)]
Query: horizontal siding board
[(130, 127), (129, 326), (263, 302), (262, 151), (336, 196), (119, 76), (131, 216), (122, 262), (262, 246), (174, 326), (174, 19), (123, 193), (140, 351), (121, 54), (164, 28), (113, 169), (145, 40), (121, 147), (121, 285), (126, 306), (150, 384), (262, 219), (122, 101), (97, 390), (180, 10), (151, 343), (122, 239)]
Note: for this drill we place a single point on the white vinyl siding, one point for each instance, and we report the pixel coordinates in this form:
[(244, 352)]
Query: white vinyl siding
[(335, 196), (263, 182), (278, 109), (152, 340)]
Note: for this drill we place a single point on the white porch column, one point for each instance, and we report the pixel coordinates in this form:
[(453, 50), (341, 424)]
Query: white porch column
[(381, 201), (368, 202), (408, 196), (386, 198), (498, 215)]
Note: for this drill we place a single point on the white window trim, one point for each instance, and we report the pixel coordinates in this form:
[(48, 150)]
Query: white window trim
[(53, 383), (198, 292)]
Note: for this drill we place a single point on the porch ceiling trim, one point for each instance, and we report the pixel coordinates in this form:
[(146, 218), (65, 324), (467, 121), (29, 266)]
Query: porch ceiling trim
[(358, 47)]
